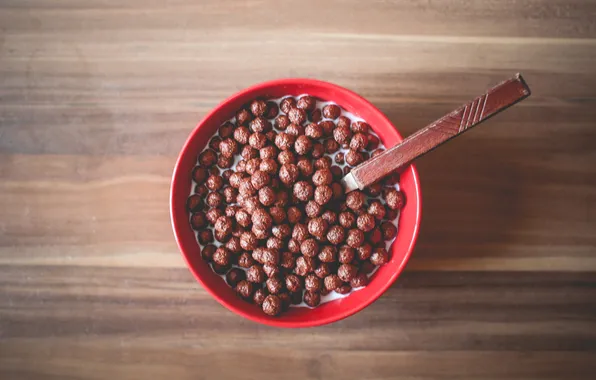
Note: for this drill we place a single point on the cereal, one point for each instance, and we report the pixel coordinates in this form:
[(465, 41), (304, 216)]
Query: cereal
[(255, 274), (312, 299), (331, 111), (234, 276), (287, 231), (272, 305)]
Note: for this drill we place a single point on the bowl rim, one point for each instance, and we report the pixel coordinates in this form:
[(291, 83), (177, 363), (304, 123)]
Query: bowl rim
[(279, 322)]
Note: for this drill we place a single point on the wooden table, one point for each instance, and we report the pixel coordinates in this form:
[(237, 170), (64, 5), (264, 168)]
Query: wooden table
[(97, 97)]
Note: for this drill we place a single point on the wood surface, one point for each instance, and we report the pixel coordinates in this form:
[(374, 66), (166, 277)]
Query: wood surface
[(481, 108), (97, 97)]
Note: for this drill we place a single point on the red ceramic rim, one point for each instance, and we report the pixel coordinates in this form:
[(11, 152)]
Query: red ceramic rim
[(401, 249)]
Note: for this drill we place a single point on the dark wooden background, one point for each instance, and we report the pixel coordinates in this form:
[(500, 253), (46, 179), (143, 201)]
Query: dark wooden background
[(97, 97)]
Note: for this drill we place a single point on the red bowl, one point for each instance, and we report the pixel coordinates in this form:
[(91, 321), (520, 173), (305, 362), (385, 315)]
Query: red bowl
[(409, 219)]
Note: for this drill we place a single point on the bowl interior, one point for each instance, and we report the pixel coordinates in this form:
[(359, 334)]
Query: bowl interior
[(409, 219)]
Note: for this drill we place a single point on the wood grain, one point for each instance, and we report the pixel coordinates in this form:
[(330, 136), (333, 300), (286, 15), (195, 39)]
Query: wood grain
[(97, 97)]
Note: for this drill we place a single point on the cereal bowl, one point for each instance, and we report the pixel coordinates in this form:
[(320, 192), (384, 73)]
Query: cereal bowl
[(379, 282)]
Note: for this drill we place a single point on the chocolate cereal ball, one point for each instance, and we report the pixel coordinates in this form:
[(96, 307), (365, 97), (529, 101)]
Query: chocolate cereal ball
[(328, 254), (360, 127), (315, 116), (342, 134), (224, 225), (229, 147), (297, 115), (235, 179), (212, 215), (299, 232), (294, 215), (225, 162), (322, 177), (323, 163), (214, 143), (295, 130), (207, 158), (259, 296), (358, 142), (282, 231), (272, 110), (312, 283), (226, 130), (338, 190), (340, 158), (304, 265), (353, 158), (355, 238), (375, 236), (282, 122), (241, 135), (257, 140), (278, 214), (328, 127), (268, 152), (389, 230), (214, 199), (307, 103), (198, 220), (344, 289), (258, 107), (336, 235), (234, 276), (294, 246), (360, 280), (394, 199), (323, 194), (234, 243), (230, 195), (243, 117), (313, 209), (275, 243), (268, 165), (286, 157), (248, 152), (330, 217), (289, 173), (312, 299), (245, 289), (222, 256), (260, 179), (243, 218), (248, 241), (303, 191), (199, 174), (271, 270), (314, 131), (245, 260), (323, 270), (287, 104), (306, 167), (309, 247), (303, 145), (332, 282), (346, 254), (287, 261), (365, 222), (207, 252), (293, 283), (284, 141), (355, 200), (255, 274), (274, 285), (214, 182), (318, 150), (344, 121), (272, 305), (379, 256), (331, 111), (261, 219), (377, 210), (346, 272), (318, 227), (331, 146)]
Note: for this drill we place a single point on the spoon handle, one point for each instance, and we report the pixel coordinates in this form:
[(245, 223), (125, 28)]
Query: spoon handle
[(469, 115)]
